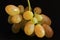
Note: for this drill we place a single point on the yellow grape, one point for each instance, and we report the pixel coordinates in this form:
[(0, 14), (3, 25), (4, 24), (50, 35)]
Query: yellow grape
[(15, 28), (12, 10), (48, 30), (39, 17), (46, 19), (37, 10), (28, 15), (9, 19), (39, 31), (34, 20), (29, 28), (16, 19), (21, 7)]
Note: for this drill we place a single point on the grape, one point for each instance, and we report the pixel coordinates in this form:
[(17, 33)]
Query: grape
[(21, 7), (34, 20), (16, 19), (12, 10), (46, 19), (9, 19), (39, 31), (37, 10), (27, 9), (28, 15), (29, 28), (15, 28), (48, 30), (39, 17)]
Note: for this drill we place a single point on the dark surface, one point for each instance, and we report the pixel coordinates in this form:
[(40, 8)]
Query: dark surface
[(48, 8)]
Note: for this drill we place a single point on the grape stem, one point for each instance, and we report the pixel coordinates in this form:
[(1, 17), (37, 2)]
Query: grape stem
[(29, 6)]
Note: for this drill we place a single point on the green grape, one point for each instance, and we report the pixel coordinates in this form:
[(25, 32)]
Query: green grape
[(37, 10), (28, 15), (48, 30), (39, 31), (38, 17), (29, 28), (46, 19), (9, 19), (12, 10), (34, 20), (15, 28), (16, 19), (21, 7)]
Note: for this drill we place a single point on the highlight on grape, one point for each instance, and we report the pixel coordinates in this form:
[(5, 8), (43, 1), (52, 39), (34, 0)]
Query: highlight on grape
[(31, 22)]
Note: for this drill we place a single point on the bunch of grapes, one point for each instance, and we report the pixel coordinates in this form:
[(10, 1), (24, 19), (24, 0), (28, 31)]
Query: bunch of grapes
[(31, 22)]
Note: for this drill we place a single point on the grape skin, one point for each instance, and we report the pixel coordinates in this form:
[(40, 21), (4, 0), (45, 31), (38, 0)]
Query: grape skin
[(29, 28), (46, 19), (28, 15), (34, 20), (37, 10), (21, 7), (12, 10), (16, 19), (48, 30), (39, 31), (38, 17)]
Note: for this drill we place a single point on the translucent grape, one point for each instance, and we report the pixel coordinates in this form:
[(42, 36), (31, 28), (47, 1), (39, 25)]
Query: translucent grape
[(46, 19), (28, 15), (37, 10), (21, 7), (12, 10), (34, 20), (48, 30), (39, 31), (38, 17), (29, 28), (16, 19)]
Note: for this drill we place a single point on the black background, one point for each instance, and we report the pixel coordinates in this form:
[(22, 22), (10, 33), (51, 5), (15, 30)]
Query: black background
[(48, 7)]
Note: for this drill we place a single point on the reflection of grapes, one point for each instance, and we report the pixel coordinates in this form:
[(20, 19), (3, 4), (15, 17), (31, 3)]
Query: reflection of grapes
[(48, 30), (12, 10), (16, 19), (37, 10), (28, 15), (39, 31), (46, 19), (29, 29), (15, 28), (21, 7)]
